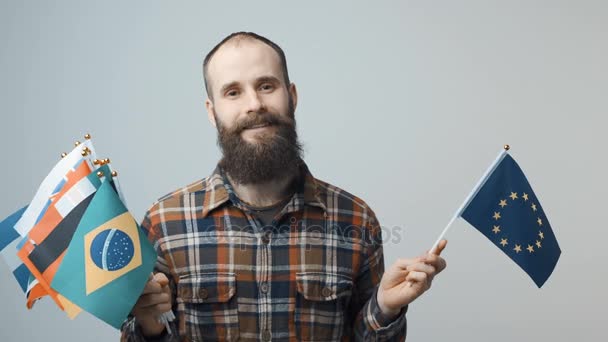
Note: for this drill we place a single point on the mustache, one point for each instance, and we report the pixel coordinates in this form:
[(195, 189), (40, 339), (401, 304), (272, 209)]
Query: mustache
[(263, 119)]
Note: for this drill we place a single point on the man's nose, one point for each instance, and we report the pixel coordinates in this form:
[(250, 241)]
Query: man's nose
[(254, 103)]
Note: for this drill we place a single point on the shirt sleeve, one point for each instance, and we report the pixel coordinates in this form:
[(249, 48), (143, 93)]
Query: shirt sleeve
[(130, 329), (370, 323)]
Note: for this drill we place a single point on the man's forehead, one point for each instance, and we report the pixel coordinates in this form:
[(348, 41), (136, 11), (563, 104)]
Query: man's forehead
[(242, 59)]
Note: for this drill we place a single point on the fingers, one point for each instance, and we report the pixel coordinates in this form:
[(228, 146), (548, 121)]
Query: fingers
[(421, 267), (421, 272), (436, 261), (152, 287), (429, 268), (153, 304), (153, 299), (161, 279), (440, 247), (403, 263), (433, 257), (152, 311), (418, 277), (156, 283)]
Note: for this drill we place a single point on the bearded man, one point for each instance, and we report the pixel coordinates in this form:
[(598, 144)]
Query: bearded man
[(261, 249)]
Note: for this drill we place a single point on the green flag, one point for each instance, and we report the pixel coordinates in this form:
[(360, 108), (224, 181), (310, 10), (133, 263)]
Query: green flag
[(108, 261)]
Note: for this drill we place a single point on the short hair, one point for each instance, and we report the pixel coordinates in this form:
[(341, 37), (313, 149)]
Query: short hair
[(238, 36)]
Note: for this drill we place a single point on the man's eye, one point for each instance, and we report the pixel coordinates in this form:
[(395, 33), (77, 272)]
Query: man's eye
[(232, 93), (266, 86)]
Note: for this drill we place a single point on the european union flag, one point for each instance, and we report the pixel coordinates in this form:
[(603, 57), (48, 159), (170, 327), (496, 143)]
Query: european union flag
[(507, 212)]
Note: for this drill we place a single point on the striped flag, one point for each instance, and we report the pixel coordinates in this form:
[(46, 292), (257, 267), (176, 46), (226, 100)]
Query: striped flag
[(38, 252), (48, 187)]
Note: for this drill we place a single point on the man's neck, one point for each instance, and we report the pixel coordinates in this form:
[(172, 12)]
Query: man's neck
[(264, 194)]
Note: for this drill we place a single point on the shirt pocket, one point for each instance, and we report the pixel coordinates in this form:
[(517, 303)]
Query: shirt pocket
[(209, 305), (321, 302)]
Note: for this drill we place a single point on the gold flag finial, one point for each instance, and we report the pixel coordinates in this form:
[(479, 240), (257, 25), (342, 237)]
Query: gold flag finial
[(77, 143), (114, 173), (100, 174), (85, 151), (96, 162), (87, 136), (106, 161), (63, 155), (507, 147)]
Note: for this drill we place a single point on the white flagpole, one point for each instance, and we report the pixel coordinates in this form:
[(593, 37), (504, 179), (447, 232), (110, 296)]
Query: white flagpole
[(472, 194)]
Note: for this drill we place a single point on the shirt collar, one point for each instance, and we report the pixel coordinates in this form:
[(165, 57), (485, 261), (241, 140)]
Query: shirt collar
[(218, 191)]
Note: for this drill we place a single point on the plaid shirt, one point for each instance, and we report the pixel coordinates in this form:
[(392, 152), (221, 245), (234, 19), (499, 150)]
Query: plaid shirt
[(312, 275)]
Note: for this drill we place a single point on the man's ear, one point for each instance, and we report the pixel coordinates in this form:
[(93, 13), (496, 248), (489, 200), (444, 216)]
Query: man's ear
[(294, 94), (210, 112)]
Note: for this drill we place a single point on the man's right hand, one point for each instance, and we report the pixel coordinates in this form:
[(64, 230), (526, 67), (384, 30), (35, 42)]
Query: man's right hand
[(153, 302)]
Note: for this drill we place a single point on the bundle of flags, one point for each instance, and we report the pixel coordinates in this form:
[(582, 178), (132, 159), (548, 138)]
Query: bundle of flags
[(77, 243)]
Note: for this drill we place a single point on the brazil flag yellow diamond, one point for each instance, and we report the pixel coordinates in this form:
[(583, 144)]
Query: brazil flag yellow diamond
[(111, 251)]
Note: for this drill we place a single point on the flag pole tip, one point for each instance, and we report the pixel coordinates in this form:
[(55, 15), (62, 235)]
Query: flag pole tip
[(507, 147), (87, 136)]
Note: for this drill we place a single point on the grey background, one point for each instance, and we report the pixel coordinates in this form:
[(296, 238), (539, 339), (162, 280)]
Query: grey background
[(402, 103)]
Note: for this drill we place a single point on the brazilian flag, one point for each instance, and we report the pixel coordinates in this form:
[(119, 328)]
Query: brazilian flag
[(108, 261)]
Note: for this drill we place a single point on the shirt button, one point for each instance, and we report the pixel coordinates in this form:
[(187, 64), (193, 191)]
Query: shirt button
[(203, 293), (264, 287), (266, 336), (265, 238), (326, 292)]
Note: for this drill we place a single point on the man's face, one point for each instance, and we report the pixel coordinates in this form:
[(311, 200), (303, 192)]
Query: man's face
[(246, 79), (253, 110)]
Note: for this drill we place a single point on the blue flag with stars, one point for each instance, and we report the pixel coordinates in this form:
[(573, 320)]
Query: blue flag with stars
[(508, 213)]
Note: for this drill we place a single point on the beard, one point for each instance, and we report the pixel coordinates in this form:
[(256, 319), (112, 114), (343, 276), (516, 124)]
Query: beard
[(276, 153)]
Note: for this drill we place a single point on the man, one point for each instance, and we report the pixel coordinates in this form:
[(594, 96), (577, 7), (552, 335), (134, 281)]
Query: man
[(261, 250)]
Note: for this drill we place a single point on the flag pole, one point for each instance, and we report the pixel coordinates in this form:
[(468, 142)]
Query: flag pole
[(472, 194)]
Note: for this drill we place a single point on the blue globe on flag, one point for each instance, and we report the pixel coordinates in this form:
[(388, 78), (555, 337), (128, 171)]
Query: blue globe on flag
[(112, 249)]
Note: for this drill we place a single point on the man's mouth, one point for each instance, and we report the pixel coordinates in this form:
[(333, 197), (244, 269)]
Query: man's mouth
[(258, 126)]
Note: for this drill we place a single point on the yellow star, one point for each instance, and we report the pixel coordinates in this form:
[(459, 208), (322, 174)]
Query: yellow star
[(517, 248), (496, 215), (503, 203), (503, 242), (525, 196), (533, 206), (530, 249), (496, 229), (542, 236), (540, 222), (513, 195), (538, 244)]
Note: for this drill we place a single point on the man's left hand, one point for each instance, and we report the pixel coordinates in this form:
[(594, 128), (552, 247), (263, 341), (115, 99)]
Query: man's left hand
[(407, 279)]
